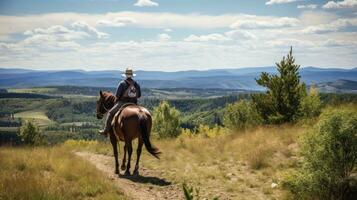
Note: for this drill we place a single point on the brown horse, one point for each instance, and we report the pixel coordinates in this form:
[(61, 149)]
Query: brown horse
[(133, 122)]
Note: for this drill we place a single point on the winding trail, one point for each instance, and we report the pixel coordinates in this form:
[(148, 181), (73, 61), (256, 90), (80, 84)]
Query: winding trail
[(147, 186)]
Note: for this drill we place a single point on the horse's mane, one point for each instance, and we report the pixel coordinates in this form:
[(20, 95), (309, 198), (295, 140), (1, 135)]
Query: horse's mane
[(109, 97)]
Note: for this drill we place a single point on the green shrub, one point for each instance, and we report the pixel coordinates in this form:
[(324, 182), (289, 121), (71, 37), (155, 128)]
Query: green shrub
[(166, 120), (241, 115), (282, 100), (330, 154), (30, 134), (310, 105)]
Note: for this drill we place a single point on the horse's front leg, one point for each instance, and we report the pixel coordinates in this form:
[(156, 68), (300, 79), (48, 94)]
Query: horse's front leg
[(123, 167), (114, 142)]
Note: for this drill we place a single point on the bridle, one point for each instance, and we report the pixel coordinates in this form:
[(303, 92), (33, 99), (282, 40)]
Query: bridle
[(105, 108)]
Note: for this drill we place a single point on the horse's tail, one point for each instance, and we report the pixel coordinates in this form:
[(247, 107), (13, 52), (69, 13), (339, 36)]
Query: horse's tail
[(145, 133)]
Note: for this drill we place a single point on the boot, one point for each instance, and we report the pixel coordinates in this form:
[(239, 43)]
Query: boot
[(108, 126)]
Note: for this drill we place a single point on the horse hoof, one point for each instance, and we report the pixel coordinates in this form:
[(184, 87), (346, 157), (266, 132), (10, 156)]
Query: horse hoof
[(123, 167), (127, 173), (116, 171)]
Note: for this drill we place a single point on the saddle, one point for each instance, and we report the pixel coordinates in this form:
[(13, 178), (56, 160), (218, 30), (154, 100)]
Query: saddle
[(117, 118)]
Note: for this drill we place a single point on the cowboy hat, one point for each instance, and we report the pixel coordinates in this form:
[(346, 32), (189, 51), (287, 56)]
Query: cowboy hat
[(128, 73)]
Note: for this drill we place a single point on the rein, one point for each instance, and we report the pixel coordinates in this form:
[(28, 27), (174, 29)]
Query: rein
[(102, 104)]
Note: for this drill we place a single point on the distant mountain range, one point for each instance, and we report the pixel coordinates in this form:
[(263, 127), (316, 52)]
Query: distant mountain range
[(243, 78)]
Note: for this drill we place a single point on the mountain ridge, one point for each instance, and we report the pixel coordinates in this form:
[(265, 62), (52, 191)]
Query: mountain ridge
[(240, 78)]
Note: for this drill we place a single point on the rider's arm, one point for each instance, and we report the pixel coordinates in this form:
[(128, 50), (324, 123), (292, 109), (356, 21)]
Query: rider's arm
[(120, 90), (138, 89)]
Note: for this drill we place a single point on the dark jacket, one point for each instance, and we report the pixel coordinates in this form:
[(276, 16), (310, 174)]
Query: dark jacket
[(122, 87)]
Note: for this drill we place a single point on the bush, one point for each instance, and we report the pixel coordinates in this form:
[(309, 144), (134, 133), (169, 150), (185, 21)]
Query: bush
[(310, 105), (330, 154), (30, 134), (166, 120), (241, 115)]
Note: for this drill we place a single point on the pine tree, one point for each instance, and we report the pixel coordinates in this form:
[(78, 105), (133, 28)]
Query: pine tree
[(284, 92)]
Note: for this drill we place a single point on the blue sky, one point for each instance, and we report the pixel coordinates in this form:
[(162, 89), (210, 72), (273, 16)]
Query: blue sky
[(174, 35)]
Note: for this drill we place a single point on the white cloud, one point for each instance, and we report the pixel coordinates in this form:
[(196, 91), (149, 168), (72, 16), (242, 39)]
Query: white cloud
[(183, 55), (332, 26), (58, 37), (168, 30), (307, 6), (335, 43), (117, 22), (340, 4), (251, 36), (271, 2), (206, 38), (238, 34), (164, 37), (83, 26), (261, 22), (144, 3), (308, 17), (159, 20)]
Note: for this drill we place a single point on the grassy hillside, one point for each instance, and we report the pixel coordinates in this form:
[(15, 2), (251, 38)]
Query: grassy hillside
[(240, 165), (50, 173)]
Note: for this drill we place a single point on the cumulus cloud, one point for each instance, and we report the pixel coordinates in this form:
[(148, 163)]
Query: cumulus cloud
[(206, 38), (84, 27), (332, 26), (307, 6), (340, 4), (117, 22), (164, 37), (238, 34), (58, 37), (258, 22), (144, 3), (158, 20), (271, 2)]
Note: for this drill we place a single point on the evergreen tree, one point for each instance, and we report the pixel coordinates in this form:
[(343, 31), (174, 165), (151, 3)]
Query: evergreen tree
[(284, 92)]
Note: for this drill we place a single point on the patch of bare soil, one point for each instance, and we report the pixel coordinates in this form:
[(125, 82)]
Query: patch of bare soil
[(148, 185)]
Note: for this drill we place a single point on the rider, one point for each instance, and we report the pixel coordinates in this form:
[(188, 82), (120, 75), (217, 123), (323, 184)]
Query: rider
[(128, 92)]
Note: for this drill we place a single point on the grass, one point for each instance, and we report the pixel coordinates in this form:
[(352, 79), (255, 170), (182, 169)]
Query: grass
[(235, 166), (38, 116), (50, 173), (239, 165)]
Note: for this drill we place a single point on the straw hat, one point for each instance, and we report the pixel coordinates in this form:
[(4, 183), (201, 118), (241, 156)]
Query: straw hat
[(128, 73)]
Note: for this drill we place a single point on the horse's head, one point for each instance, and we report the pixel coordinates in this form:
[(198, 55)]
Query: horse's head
[(101, 105)]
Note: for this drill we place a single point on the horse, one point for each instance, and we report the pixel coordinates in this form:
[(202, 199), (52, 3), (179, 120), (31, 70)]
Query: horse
[(133, 122)]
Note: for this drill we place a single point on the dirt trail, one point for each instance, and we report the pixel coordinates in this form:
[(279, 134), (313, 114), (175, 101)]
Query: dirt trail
[(149, 185)]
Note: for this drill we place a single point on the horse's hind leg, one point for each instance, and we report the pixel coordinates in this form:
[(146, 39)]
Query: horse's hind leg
[(138, 153), (129, 147), (123, 167), (114, 142)]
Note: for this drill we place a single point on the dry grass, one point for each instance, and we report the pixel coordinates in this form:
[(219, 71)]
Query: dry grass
[(240, 165), (234, 166), (50, 173)]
